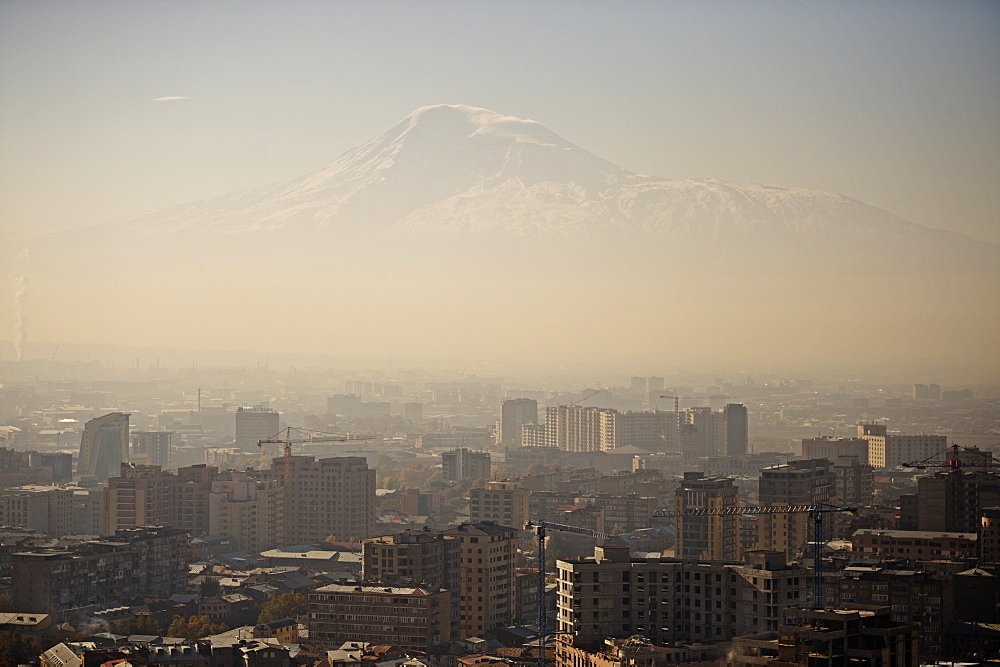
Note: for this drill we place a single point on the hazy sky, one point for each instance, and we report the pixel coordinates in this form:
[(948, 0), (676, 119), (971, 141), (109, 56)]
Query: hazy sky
[(110, 108)]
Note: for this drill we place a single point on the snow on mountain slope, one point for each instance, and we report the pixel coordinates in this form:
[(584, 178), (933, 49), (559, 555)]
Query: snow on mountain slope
[(459, 170)]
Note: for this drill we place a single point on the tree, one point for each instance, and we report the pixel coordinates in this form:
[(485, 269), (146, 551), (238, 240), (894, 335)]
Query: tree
[(194, 627), (209, 587), (14, 649), (288, 605), (142, 624)]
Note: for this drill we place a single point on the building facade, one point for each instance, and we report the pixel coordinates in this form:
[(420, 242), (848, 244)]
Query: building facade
[(806, 482), (132, 565), (408, 617), (255, 424), (706, 537), (104, 446), (672, 600)]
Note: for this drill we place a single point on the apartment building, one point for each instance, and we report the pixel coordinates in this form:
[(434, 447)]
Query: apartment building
[(501, 502), (825, 637), (463, 463), (413, 618), (325, 497), (672, 600), (888, 450), (706, 537), (486, 552), (134, 564), (806, 482), (45, 509)]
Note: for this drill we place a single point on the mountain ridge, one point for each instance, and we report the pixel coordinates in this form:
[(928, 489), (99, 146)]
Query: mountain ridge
[(461, 171)]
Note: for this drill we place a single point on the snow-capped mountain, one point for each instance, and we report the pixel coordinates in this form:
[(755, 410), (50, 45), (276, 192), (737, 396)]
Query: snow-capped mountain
[(459, 171)]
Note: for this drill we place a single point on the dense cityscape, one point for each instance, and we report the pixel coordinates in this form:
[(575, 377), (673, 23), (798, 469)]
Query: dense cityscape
[(211, 516)]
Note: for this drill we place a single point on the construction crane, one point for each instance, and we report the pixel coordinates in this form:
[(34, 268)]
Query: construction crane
[(980, 459), (590, 393), (540, 528), (305, 435), (816, 512)]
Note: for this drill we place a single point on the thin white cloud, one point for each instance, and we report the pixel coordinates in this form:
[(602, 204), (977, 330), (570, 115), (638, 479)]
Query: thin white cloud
[(175, 98)]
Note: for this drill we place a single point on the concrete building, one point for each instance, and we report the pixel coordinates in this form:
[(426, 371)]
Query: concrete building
[(826, 447), (832, 638), (888, 450), (254, 424), (646, 430), (45, 509), (413, 618), (246, 510), (487, 553), (515, 413), (913, 596), (953, 501), (737, 429), (103, 446), (913, 544), (463, 463), (669, 599), (706, 537), (573, 428), (324, 498), (501, 502), (855, 482), (806, 482), (989, 535), (711, 430), (145, 495), (152, 448), (135, 564)]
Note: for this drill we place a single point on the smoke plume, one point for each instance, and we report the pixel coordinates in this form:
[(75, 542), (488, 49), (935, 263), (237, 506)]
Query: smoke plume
[(20, 292)]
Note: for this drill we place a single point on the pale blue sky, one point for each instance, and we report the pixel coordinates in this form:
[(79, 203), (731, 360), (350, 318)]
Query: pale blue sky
[(894, 103)]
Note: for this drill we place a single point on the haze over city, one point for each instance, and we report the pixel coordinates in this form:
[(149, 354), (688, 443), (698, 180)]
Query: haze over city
[(655, 185), (657, 333)]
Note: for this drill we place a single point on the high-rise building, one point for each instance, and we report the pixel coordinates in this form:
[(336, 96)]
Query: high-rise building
[(645, 430), (573, 428), (104, 446), (463, 463), (487, 588), (255, 424), (245, 509), (737, 429), (953, 501), (638, 385), (706, 537), (711, 427), (146, 495), (515, 413), (152, 447), (325, 497), (805, 482), (888, 450)]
